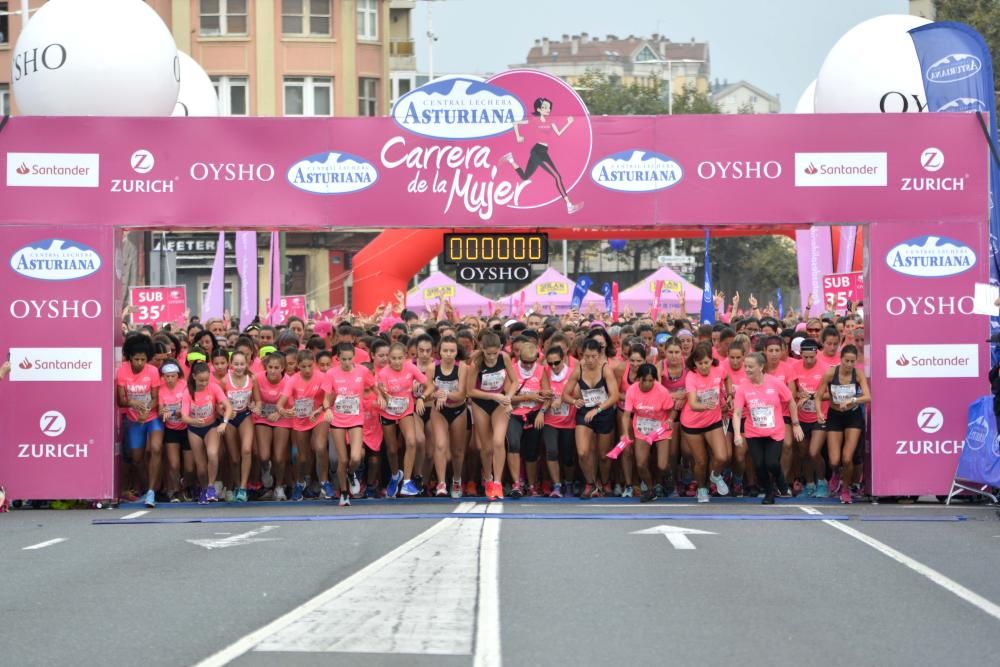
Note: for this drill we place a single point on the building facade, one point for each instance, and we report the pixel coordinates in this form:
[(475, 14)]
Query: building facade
[(628, 60), (744, 97)]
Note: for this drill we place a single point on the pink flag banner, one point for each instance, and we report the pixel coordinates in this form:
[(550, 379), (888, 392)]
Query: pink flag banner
[(845, 256), (213, 301), (814, 251), (277, 278), (246, 267)]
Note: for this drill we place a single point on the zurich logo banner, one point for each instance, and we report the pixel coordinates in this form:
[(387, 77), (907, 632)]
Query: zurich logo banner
[(958, 77), (980, 459)]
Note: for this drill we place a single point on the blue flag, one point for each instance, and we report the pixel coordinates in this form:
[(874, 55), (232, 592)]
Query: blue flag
[(583, 284), (707, 298), (781, 306), (958, 76), (606, 289), (980, 459)]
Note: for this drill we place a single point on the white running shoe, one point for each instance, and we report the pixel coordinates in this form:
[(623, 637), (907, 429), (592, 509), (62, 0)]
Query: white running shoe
[(573, 208), (355, 484), (230, 496), (219, 489), (627, 491), (266, 478), (345, 500), (456, 488), (702, 494), (279, 494), (720, 484)]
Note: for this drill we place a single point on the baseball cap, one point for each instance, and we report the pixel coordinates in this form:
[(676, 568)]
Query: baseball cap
[(662, 338)]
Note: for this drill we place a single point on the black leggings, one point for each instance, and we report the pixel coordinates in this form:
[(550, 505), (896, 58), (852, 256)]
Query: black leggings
[(560, 445), (766, 456), (540, 158), (522, 440)]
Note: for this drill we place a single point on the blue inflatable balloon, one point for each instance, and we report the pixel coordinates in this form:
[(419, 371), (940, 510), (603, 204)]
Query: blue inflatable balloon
[(618, 245)]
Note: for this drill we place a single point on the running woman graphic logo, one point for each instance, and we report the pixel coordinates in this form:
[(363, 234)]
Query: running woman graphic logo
[(458, 108), (55, 259), (332, 173), (931, 257), (637, 171)]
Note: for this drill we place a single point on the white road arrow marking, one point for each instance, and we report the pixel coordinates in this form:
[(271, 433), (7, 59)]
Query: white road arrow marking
[(676, 534), (237, 540)]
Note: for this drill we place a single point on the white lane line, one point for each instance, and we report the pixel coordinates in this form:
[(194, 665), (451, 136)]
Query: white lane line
[(135, 515), (488, 614), (237, 540), (930, 573), (46, 543), (370, 574)]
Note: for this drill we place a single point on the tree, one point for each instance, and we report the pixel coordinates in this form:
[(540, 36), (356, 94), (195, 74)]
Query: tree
[(608, 96), (983, 15)]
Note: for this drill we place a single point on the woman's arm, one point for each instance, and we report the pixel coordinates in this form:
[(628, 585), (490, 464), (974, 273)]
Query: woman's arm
[(555, 128)]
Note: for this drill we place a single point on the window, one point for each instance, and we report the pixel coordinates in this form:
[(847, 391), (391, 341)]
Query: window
[(646, 55), (305, 17), (308, 96), (223, 17), (367, 97), (233, 94), (367, 19), (4, 23), (4, 99), (295, 279)]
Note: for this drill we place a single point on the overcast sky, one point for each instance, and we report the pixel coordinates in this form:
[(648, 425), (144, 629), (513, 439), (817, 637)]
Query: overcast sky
[(777, 45)]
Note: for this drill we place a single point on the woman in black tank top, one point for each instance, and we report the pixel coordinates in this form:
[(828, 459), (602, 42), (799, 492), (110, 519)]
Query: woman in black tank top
[(847, 389), (489, 385), (595, 417), (449, 417)]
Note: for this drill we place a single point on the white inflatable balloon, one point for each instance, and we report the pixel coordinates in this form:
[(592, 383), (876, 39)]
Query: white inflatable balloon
[(197, 96), (873, 68), (95, 58), (806, 103)]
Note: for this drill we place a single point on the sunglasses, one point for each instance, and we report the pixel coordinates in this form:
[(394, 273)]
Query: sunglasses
[(813, 330), (553, 364)]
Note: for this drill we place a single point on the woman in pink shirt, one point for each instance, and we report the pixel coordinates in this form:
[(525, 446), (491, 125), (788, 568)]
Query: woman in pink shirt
[(649, 414), (808, 376), (200, 412), (137, 383), (629, 375), (701, 420), (302, 401), (762, 399), (559, 429), (395, 383), (170, 399), (524, 429), (784, 373), (272, 430), (349, 384), (673, 376)]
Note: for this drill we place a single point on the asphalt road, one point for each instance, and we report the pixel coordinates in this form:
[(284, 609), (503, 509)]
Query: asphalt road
[(443, 583)]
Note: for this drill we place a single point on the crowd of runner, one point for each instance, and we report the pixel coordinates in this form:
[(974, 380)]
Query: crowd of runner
[(558, 406)]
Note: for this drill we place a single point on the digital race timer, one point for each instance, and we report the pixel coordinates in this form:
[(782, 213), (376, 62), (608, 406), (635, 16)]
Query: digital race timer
[(496, 249)]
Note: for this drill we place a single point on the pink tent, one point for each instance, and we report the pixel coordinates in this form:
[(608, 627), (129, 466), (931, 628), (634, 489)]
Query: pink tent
[(549, 289), (437, 287), (639, 297)]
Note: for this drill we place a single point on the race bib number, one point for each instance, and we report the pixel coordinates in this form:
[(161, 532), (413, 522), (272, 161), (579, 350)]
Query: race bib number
[(447, 386), (709, 396), (561, 411), (201, 411), (143, 397), (303, 408), (645, 425), (268, 409), (842, 393), (397, 405), (809, 405), (347, 405), (594, 397), (492, 381), (240, 400), (762, 417), (171, 410)]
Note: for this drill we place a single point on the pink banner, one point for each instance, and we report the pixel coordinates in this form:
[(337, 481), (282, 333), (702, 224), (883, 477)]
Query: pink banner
[(213, 302), (840, 289), (277, 278), (614, 300), (448, 166), (814, 253), (246, 267), (845, 256), (158, 305), (58, 320), (926, 351), (657, 291), (288, 306)]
